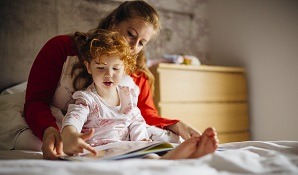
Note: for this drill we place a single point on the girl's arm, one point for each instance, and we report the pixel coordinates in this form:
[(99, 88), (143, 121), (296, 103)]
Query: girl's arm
[(138, 129), (72, 124), (74, 142)]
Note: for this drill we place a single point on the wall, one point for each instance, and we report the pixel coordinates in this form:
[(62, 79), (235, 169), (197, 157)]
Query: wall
[(27, 25), (262, 36)]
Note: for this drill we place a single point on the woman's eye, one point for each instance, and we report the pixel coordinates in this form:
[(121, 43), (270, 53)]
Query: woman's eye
[(115, 68), (141, 44), (130, 34)]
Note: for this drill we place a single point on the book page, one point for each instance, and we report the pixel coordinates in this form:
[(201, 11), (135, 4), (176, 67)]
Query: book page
[(120, 150)]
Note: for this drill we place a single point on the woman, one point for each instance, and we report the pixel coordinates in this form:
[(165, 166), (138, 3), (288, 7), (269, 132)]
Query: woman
[(50, 81)]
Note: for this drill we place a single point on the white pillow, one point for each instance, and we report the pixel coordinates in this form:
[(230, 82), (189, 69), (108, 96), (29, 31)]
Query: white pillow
[(15, 89)]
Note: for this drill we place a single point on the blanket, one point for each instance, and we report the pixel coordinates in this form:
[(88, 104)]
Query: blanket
[(12, 121)]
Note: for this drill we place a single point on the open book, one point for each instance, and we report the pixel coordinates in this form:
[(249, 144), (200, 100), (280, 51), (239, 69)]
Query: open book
[(123, 150)]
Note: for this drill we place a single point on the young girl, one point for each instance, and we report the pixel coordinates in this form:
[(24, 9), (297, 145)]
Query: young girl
[(108, 107), (106, 111)]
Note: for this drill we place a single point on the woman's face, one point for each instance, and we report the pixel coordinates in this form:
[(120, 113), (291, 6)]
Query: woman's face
[(137, 33)]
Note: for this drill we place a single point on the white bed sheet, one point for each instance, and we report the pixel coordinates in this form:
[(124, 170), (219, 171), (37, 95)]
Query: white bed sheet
[(251, 157)]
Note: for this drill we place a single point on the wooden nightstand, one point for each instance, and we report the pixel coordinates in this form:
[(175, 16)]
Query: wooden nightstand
[(204, 96)]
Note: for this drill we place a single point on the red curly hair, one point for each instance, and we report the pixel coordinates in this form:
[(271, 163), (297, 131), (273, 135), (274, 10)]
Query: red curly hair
[(92, 45)]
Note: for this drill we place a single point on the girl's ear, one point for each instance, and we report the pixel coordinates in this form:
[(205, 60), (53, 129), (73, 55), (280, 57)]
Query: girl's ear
[(87, 66)]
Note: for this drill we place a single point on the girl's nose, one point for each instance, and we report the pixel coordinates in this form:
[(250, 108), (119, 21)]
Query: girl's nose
[(109, 73)]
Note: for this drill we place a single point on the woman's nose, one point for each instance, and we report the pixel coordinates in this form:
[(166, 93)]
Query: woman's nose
[(133, 45)]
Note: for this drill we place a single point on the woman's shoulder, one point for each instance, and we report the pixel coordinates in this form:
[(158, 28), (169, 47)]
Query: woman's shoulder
[(138, 75), (61, 38), (139, 78), (64, 42)]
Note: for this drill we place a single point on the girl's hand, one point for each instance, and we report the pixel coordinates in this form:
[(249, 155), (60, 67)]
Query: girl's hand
[(74, 142), (184, 130)]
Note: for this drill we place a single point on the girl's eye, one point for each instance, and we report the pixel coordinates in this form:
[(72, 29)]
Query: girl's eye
[(100, 68), (116, 68)]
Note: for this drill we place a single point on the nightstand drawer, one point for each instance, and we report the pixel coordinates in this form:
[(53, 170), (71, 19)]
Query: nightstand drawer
[(192, 86), (225, 117)]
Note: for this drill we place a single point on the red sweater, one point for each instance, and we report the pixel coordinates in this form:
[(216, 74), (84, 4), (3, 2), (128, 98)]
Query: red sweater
[(44, 78)]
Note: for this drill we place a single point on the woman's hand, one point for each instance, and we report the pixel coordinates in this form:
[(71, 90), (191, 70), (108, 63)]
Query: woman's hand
[(184, 130), (74, 142), (52, 145)]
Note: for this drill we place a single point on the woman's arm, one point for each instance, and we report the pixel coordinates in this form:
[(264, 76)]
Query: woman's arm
[(42, 82)]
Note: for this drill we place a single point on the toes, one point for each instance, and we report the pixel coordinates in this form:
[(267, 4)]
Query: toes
[(210, 132)]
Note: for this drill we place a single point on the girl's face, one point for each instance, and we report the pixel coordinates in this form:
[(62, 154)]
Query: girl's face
[(107, 75), (137, 33)]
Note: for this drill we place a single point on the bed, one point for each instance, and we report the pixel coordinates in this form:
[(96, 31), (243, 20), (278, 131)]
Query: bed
[(247, 157), (250, 157)]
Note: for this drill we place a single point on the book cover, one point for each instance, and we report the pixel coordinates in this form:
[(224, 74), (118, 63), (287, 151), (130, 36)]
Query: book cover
[(122, 150)]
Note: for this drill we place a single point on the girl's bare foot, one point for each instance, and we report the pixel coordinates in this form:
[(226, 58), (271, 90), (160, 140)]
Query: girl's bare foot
[(195, 147), (184, 150), (208, 143)]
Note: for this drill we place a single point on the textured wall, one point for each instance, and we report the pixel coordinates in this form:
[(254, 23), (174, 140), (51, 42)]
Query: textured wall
[(184, 28), (27, 25)]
